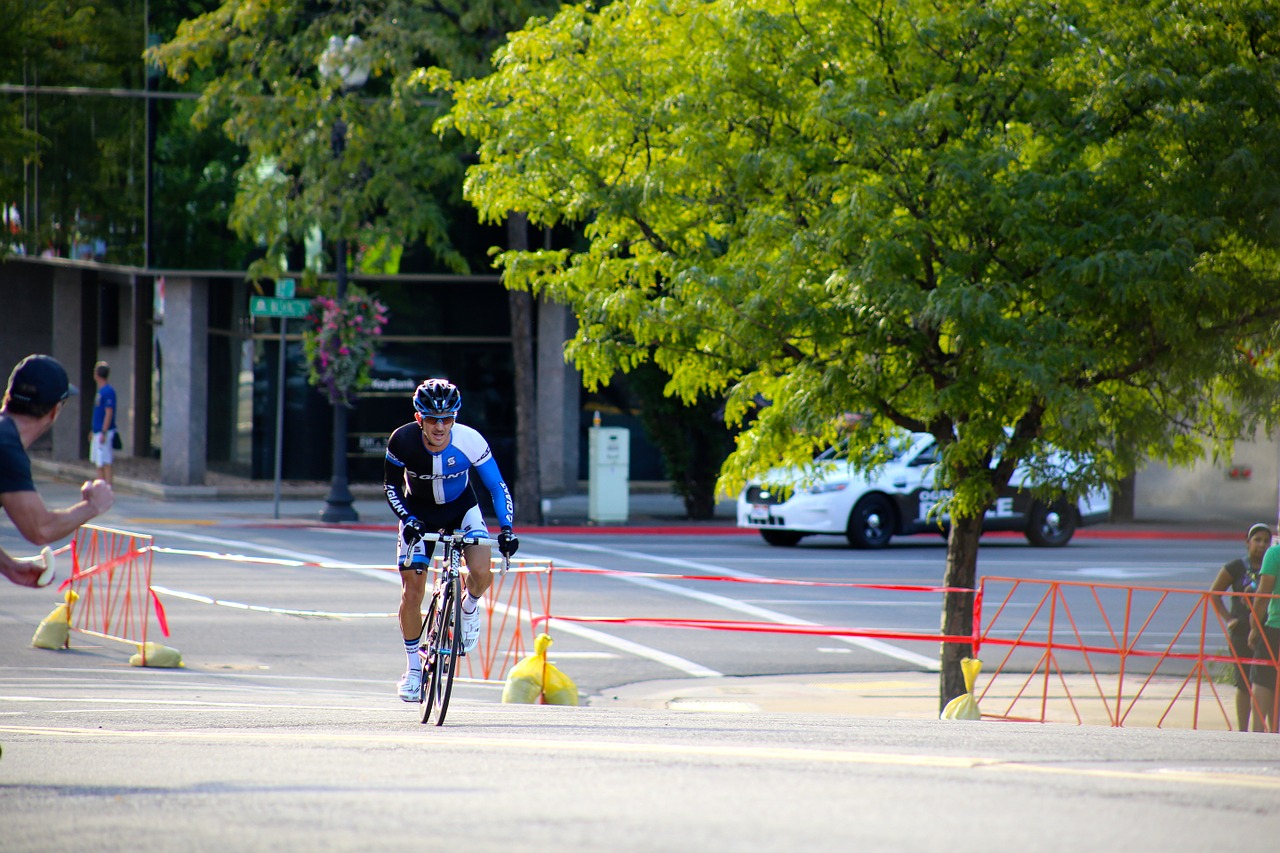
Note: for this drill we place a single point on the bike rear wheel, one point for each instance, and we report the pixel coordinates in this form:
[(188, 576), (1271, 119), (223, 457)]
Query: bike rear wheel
[(445, 648)]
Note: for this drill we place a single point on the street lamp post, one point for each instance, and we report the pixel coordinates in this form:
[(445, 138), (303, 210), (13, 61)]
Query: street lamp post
[(343, 60)]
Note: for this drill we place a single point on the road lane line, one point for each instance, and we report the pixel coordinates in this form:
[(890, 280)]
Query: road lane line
[(688, 667), (287, 553), (867, 643), (675, 662), (258, 608)]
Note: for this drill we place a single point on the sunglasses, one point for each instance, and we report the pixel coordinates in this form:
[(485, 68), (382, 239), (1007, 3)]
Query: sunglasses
[(428, 420)]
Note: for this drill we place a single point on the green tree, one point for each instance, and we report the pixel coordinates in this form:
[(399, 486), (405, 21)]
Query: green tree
[(73, 139), (72, 163), (361, 165), (1058, 219)]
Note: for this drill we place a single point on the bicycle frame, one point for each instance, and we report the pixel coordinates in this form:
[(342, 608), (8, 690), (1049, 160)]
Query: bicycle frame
[(441, 645)]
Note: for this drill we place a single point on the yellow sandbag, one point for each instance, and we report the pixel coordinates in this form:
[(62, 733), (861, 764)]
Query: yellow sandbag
[(525, 682), (557, 688), (521, 689), (965, 707), (154, 654), (54, 631)]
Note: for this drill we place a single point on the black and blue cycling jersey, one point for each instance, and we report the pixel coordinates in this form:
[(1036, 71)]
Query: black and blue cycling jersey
[(419, 482)]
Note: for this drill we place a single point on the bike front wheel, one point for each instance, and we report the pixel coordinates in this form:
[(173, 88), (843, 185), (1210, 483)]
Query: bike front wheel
[(445, 649)]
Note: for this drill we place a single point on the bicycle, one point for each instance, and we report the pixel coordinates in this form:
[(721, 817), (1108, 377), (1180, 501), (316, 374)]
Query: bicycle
[(441, 645)]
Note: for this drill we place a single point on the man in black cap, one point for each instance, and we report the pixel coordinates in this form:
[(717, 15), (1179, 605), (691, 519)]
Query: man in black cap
[(38, 389)]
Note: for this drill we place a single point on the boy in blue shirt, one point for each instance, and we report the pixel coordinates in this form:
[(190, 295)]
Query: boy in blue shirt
[(104, 423)]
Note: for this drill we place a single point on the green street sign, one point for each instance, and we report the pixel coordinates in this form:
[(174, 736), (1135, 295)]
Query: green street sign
[(274, 306)]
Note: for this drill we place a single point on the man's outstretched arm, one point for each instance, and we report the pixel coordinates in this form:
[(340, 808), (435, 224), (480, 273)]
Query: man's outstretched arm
[(40, 525)]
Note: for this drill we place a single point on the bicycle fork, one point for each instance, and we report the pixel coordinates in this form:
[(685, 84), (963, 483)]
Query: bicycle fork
[(433, 635)]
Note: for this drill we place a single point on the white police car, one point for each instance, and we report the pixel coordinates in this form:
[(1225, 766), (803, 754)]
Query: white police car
[(898, 499)]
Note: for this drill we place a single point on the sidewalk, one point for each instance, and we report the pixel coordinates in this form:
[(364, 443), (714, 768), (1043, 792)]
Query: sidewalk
[(1164, 703)]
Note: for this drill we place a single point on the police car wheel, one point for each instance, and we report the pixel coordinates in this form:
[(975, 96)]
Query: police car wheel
[(1050, 526), (782, 538), (870, 523)]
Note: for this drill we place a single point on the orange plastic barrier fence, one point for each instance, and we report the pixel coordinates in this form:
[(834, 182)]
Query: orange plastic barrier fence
[(515, 605), (517, 602), (111, 574), (1160, 656), (1164, 651), (770, 627)]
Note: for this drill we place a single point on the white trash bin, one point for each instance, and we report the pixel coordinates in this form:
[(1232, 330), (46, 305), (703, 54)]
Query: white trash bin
[(608, 472)]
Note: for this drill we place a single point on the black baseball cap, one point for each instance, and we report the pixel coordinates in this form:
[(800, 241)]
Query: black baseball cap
[(39, 380)]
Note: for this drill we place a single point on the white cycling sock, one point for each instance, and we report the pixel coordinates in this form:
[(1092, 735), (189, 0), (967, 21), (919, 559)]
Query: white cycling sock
[(411, 649), (469, 599)]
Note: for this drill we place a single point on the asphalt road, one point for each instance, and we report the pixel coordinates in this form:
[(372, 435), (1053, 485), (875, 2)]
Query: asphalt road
[(106, 758), (282, 732)]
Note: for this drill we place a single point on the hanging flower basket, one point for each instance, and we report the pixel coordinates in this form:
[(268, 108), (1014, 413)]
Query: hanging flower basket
[(340, 340)]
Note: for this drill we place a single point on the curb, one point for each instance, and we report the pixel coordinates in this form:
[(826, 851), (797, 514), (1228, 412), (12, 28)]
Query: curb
[(913, 695)]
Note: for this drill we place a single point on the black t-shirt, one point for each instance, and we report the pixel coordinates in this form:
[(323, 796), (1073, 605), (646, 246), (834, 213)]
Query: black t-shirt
[(15, 465), (1243, 579)]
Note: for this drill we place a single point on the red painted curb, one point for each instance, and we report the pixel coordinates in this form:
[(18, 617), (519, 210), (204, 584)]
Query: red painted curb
[(694, 529)]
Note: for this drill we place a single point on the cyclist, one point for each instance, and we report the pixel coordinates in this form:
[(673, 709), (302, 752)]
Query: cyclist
[(427, 480)]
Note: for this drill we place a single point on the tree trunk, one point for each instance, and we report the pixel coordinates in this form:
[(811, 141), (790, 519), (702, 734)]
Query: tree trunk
[(957, 607), (699, 489), (527, 490), (1123, 501)]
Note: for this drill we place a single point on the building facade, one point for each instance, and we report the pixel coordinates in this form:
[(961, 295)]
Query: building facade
[(197, 379)]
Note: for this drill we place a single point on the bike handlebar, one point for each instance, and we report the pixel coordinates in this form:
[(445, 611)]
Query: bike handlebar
[(459, 539)]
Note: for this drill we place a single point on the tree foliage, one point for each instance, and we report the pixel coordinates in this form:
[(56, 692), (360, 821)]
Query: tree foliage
[(358, 164), (1016, 226), (71, 162)]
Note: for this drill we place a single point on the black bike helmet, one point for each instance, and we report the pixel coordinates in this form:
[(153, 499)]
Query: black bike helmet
[(437, 398)]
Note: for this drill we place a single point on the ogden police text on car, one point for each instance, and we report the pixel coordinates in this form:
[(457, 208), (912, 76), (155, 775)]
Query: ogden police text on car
[(898, 499)]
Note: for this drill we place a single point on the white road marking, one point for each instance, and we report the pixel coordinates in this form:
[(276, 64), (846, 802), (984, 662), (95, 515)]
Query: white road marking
[(287, 553), (283, 611), (1118, 573), (734, 604), (676, 662)]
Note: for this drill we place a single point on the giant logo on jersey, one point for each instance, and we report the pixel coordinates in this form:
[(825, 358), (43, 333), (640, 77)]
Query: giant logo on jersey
[(414, 475)]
